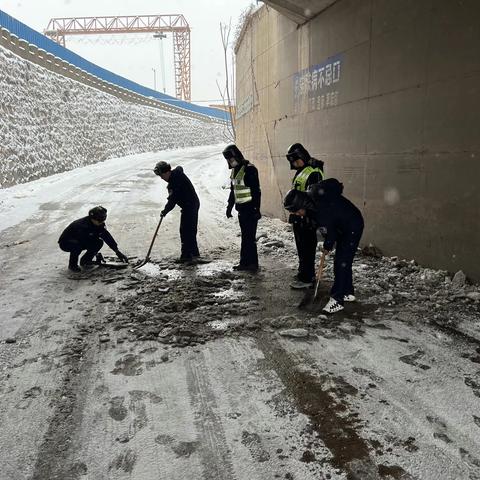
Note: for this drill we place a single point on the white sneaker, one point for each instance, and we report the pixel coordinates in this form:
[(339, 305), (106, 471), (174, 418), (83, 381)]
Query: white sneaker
[(332, 306), (299, 285), (349, 298)]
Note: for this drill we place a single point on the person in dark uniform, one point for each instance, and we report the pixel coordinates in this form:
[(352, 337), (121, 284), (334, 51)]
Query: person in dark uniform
[(308, 172), (341, 224), (245, 194), (182, 193), (88, 233)]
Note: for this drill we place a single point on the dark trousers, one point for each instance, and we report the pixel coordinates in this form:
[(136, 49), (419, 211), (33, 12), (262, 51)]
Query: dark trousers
[(248, 250), (306, 242), (75, 247), (188, 233), (342, 266)]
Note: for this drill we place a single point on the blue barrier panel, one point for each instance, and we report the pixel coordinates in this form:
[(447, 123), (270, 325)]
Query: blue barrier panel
[(41, 41)]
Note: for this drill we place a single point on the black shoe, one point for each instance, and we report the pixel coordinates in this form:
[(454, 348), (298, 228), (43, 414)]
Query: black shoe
[(246, 268), (87, 260), (184, 260), (73, 267), (89, 266)]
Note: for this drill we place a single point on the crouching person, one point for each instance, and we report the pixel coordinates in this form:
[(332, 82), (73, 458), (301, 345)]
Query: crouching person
[(341, 224), (88, 233)]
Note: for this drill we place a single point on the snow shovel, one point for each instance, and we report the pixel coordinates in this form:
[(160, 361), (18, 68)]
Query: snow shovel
[(147, 258), (308, 297), (319, 275)]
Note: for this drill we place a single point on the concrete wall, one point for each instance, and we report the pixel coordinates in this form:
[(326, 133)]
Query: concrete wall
[(398, 124)]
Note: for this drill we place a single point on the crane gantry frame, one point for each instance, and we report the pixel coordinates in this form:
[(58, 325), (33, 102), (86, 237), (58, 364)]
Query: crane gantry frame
[(59, 28)]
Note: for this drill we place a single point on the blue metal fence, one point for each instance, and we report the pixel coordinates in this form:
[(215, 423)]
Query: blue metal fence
[(41, 41)]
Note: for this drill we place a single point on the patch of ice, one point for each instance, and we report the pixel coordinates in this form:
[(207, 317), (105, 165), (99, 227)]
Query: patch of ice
[(230, 294)]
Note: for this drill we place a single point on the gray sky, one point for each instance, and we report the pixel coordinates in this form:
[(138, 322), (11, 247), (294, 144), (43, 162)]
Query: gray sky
[(134, 56)]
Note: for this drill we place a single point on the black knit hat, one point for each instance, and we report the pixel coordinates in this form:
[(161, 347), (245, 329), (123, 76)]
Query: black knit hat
[(98, 213), (161, 167)]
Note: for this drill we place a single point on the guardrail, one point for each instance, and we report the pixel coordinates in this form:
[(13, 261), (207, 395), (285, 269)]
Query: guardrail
[(35, 47)]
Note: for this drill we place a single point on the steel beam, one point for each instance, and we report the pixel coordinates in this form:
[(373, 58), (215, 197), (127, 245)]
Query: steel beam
[(59, 28)]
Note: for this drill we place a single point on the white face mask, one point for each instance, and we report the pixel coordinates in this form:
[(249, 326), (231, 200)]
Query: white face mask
[(233, 162)]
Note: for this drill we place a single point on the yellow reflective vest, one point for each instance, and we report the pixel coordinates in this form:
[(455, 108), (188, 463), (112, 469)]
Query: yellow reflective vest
[(243, 194), (300, 181)]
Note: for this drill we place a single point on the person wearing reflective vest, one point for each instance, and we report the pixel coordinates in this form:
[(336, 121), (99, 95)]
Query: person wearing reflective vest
[(245, 194), (308, 172)]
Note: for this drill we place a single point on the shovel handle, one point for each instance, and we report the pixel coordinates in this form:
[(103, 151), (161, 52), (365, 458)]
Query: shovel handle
[(147, 258), (319, 274), (153, 239), (320, 266)]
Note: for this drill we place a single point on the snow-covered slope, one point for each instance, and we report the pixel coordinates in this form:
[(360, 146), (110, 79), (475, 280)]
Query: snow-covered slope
[(50, 123)]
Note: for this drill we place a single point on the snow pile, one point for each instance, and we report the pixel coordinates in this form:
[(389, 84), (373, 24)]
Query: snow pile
[(50, 123)]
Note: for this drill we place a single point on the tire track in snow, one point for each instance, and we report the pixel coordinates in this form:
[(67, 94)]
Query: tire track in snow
[(68, 401), (215, 455), (326, 411)]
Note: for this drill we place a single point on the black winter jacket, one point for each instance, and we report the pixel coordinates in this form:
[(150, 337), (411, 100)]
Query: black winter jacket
[(181, 192), (83, 230), (251, 180), (337, 216)]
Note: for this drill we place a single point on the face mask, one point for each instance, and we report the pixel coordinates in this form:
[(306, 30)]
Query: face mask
[(233, 163)]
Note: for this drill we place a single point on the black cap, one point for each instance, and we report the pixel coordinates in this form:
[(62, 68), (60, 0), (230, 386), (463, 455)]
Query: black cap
[(298, 151), (98, 213), (295, 200), (161, 167), (325, 190), (232, 151)]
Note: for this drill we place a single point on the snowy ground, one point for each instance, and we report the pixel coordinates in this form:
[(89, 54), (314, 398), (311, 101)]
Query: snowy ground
[(193, 373)]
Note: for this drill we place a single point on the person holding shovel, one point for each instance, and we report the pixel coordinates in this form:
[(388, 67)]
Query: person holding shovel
[(181, 192), (341, 223), (308, 171)]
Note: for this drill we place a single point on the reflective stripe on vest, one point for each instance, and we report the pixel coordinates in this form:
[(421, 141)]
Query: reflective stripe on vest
[(300, 181), (242, 193)]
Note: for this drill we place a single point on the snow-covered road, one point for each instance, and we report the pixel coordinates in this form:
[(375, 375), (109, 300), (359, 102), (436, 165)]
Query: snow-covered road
[(181, 373)]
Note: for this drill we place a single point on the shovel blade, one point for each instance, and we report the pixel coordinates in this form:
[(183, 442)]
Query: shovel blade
[(141, 264)]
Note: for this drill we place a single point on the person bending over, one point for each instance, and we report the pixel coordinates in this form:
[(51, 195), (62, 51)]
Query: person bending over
[(87, 233), (341, 224)]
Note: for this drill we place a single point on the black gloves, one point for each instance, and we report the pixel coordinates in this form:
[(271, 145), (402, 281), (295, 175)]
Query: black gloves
[(256, 213), (123, 258), (163, 213)]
